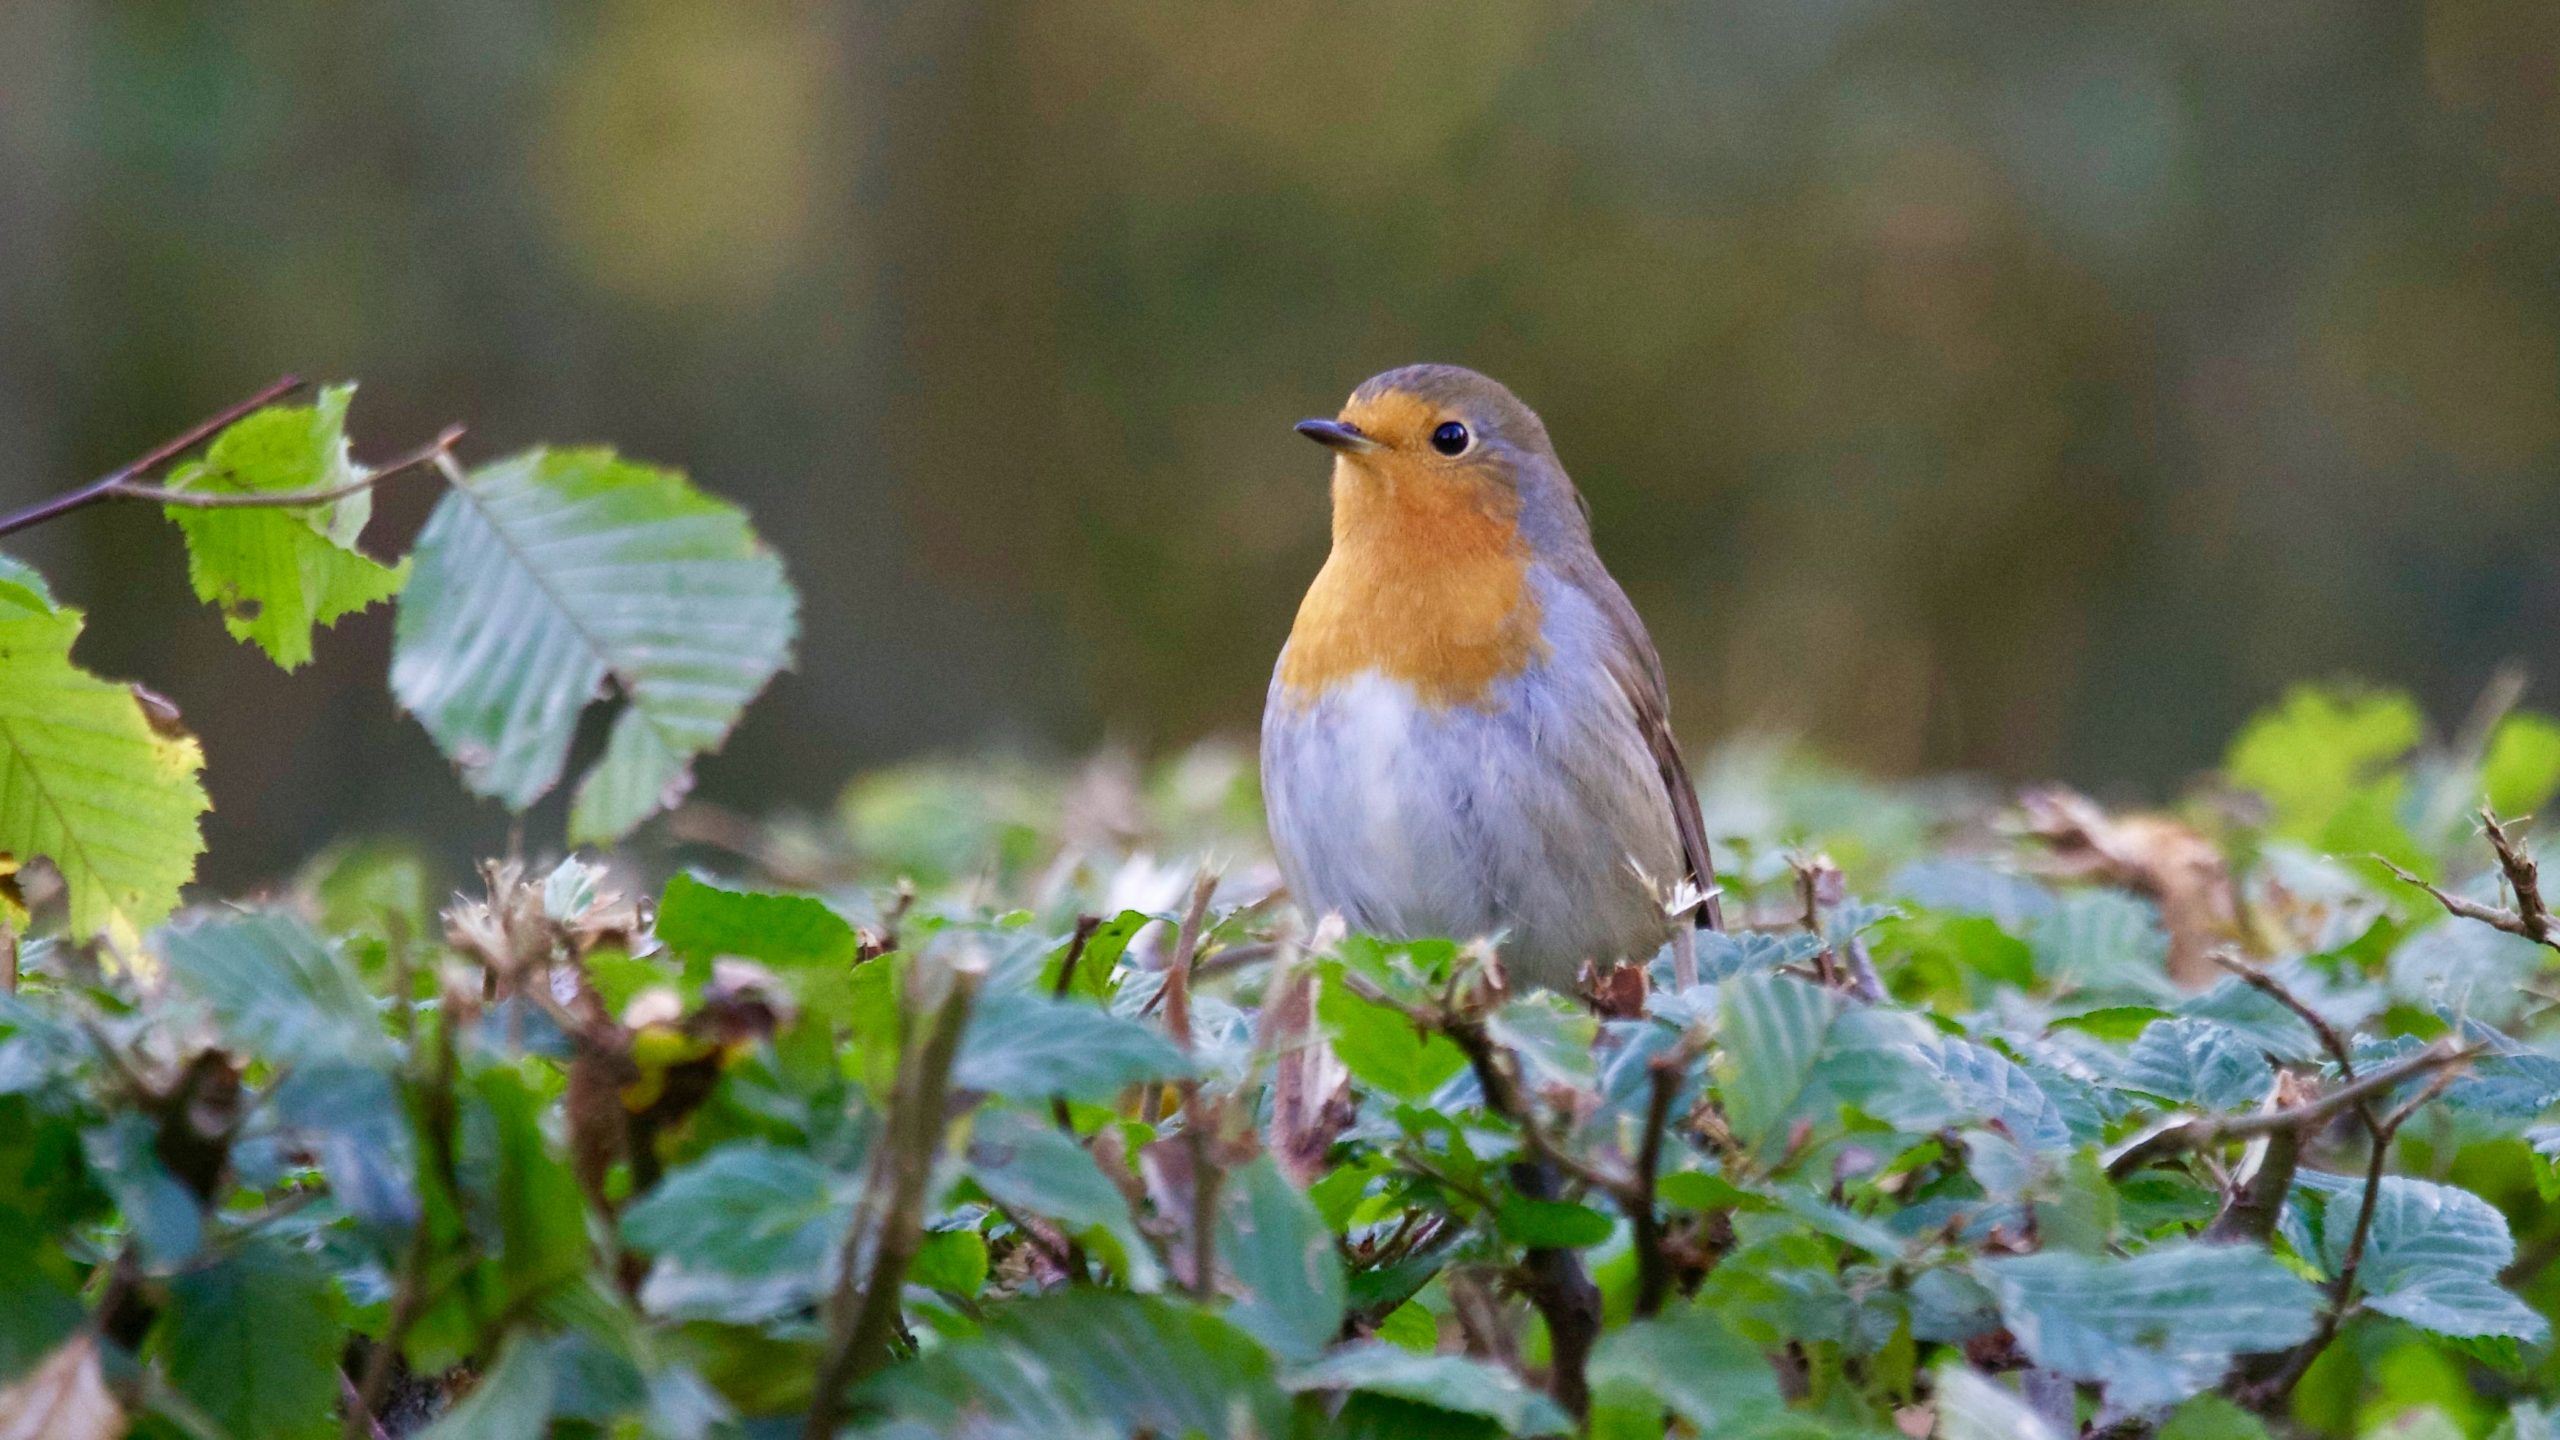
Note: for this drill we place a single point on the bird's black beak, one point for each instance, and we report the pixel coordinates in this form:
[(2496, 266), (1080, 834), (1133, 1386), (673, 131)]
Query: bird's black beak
[(1336, 435)]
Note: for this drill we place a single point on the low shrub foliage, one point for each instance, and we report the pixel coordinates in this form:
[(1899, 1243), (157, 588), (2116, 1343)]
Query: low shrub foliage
[(999, 1102)]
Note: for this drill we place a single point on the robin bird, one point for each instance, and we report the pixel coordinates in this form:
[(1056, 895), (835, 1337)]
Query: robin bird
[(1467, 733)]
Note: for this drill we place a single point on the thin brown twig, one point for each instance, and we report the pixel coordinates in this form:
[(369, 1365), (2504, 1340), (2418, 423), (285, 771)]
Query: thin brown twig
[(2342, 1286), (1196, 1117), (2531, 918), (419, 458), (149, 460), (2209, 1131)]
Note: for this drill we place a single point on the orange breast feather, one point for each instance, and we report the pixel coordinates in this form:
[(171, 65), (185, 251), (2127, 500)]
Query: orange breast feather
[(1428, 583)]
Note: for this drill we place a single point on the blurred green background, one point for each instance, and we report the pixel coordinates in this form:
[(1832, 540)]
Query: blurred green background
[(2030, 388)]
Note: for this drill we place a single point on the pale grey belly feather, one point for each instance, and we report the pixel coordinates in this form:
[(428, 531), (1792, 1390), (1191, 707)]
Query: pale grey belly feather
[(1530, 816)]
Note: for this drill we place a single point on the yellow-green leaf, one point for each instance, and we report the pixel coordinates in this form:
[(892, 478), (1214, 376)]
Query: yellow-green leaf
[(85, 779), (277, 573)]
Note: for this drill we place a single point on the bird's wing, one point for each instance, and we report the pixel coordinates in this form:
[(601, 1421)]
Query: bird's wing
[(1637, 667)]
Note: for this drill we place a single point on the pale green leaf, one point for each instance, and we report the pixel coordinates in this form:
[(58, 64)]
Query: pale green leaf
[(1973, 1406), (277, 573), (512, 1401), (1771, 1033), (2432, 1257), (276, 990), (2312, 754), (1031, 1169), (551, 575), (1280, 1251), (1689, 1363), (2155, 1328), (1026, 1046)]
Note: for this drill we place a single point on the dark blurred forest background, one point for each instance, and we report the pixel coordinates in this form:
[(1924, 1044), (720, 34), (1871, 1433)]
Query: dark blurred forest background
[(2027, 388)]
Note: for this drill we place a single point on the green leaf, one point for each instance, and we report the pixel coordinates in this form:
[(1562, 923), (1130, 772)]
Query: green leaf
[(2312, 753), (1025, 1046), (254, 1342), (952, 1261), (539, 1216), (2199, 1062), (1102, 951), (706, 921), (745, 1209), (1091, 1361), (1031, 1169), (2155, 1328), (1381, 1046), (1280, 1250), (552, 573), (1689, 1363), (2432, 1258), (2522, 768), (1450, 1383), (513, 1401), (2105, 943), (275, 573), (1557, 1224), (86, 781), (1771, 1031), (2211, 1417), (276, 990)]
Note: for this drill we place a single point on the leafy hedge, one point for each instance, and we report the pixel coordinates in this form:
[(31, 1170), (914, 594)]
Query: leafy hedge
[(967, 1110)]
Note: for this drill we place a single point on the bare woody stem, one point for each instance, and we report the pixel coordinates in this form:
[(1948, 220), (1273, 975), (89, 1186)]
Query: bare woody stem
[(148, 461), (861, 1323), (126, 481), (2205, 1133), (424, 455), (1197, 1118), (2531, 918)]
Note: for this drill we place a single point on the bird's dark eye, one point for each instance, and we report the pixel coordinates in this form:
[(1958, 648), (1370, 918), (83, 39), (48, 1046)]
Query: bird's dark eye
[(1450, 438)]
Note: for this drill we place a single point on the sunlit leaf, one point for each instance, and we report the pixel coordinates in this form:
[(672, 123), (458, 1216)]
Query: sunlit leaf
[(277, 573), (86, 780)]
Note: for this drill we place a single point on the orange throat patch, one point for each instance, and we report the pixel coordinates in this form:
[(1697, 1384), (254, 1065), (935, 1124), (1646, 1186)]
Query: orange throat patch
[(1428, 584)]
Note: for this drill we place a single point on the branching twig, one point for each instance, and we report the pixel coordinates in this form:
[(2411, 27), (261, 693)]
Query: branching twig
[(425, 455), (2531, 918), (126, 482), (2209, 1131), (860, 1325), (2297, 1361), (152, 459)]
